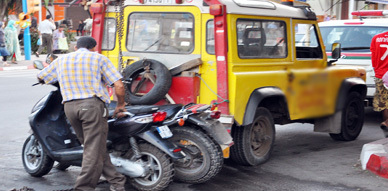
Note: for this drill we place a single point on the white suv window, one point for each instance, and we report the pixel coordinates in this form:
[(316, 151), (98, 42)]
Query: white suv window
[(352, 38)]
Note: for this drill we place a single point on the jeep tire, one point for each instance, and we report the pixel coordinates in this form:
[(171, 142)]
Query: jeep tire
[(254, 142), (162, 84), (352, 118)]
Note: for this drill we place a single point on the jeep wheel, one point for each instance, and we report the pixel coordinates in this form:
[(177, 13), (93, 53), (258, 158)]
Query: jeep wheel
[(254, 143), (352, 118), (134, 89)]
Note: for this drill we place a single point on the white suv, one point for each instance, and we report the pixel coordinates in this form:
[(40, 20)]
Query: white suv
[(355, 37)]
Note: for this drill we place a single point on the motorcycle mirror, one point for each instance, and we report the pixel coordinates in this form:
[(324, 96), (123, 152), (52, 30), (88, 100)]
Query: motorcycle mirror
[(38, 64)]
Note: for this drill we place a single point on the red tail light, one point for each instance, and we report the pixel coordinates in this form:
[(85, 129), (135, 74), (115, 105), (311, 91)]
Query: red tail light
[(215, 114), (177, 150), (159, 116)]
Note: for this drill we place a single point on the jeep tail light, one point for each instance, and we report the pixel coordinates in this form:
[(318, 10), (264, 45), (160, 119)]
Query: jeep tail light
[(159, 116), (216, 10), (215, 114)]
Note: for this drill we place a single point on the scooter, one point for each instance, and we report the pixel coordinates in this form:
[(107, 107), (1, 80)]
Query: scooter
[(139, 144)]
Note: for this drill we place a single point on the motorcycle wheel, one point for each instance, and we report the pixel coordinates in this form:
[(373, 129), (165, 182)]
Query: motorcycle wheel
[(204, 158), (36, 162), (160, 169)]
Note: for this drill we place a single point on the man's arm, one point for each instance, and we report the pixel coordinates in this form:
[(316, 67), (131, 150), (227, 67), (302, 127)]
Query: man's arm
[(120, 93)]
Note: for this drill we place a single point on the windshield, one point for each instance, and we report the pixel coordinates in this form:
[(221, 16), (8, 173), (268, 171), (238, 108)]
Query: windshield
[(161, 32), (352, 38)]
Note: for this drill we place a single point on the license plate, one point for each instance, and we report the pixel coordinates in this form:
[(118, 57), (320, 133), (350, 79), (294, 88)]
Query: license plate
[(164, 132)]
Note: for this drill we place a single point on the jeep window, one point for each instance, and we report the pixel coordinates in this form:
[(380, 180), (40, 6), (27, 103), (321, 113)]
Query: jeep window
[(261, 39), (306, 42), (161, 32), (352, 38), (210, 37), (109, 36)]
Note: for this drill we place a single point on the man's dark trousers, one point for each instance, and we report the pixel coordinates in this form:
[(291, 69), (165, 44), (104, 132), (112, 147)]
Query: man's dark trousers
[(89, 120)]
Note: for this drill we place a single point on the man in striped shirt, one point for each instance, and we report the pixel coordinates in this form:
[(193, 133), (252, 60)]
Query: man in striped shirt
[(82, 76)]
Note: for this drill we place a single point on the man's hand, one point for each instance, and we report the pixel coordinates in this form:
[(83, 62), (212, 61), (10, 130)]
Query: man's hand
[(119, 112), (41, 81), (120, 92)]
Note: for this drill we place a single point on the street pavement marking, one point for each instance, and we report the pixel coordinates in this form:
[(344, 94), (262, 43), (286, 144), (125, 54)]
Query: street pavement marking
[(18, 73)]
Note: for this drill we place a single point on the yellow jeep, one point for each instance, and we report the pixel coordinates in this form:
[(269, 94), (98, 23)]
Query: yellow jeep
[(261, 63)]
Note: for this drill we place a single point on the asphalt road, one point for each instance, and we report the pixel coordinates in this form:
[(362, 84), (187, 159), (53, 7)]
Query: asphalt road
[(302, 160)]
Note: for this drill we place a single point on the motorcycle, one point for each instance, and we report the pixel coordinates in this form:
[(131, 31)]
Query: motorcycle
[(202, 137), (138, 144)]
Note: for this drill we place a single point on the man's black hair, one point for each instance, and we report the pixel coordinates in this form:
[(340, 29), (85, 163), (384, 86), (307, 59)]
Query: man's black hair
[(86, 42), (48, 17)]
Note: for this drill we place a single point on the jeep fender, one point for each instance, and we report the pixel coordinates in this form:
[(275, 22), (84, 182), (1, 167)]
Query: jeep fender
[(332, 123), (347, 86), (256, 98)]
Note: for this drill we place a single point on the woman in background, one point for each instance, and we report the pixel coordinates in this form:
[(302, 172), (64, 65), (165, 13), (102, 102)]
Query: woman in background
[(12, 42), (59, 33), (3, 50)]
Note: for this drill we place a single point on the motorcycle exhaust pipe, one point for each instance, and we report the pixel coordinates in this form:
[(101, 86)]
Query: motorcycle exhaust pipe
[(128, 167)]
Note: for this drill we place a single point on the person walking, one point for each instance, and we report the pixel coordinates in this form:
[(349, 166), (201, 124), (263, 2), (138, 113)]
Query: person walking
[(379, 50), (59, 33), (3, 49), (45, 31), (12, 42), (82, 76), (80, 28)]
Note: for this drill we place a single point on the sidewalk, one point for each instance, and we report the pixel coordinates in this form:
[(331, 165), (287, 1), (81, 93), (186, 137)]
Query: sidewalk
[(23, 64), (374, 157)]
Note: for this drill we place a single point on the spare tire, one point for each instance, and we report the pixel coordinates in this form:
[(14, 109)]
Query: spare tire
[(160, 88)]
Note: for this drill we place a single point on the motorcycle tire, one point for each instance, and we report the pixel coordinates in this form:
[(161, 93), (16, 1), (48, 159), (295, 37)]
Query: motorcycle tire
[(204, 158), (163, 80), (36, 162), (161, 168)]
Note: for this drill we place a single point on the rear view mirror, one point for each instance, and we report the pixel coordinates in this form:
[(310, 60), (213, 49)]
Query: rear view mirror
[(38, 64), (336, 51)]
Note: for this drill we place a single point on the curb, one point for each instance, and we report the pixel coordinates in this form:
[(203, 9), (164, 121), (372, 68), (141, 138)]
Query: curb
[(374, 157), (17, 68)]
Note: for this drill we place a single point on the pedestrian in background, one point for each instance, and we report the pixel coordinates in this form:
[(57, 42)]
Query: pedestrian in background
[(57, 35), (82, 76), (3, 49), (80, 28), (12, 42), (379, 50), (46, 32)]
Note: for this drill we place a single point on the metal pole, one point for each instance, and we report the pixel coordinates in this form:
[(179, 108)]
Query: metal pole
[(351, 8), (27, 36)]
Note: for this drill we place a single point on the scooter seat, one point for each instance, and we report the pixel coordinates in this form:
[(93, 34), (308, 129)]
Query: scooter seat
[(135, 109)]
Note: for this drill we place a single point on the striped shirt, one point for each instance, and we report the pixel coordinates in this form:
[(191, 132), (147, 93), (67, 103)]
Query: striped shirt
[(81, 74)]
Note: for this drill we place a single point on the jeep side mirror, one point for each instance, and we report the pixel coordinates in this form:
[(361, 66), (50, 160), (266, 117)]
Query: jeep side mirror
[(335, 53)]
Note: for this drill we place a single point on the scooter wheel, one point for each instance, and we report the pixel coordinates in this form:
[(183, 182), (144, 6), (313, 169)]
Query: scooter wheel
[(36, 162), (160, 169)]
